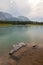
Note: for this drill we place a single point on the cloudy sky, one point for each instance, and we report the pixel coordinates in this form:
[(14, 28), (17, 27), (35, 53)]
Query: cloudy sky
[(33, 9)]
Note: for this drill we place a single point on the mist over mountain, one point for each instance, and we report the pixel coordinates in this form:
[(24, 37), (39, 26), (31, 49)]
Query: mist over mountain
[(8, 17), (23, 18), (5, 16)]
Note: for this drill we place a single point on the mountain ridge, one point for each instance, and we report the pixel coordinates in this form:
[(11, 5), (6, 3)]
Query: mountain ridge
[(8, 17)]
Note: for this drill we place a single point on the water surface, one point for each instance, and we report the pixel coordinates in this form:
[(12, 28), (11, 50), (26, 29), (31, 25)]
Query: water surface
[(15, 34)]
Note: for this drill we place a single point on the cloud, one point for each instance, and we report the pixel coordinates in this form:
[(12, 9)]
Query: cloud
[(4, 5), (31, 9), (37, 12)]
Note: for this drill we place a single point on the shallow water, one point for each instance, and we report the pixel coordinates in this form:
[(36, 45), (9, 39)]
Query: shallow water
[(15, 34)]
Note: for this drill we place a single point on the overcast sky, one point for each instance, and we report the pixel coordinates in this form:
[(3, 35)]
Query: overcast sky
[(33, 9)]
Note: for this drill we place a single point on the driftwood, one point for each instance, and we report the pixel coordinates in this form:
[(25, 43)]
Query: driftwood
[(17, 47)]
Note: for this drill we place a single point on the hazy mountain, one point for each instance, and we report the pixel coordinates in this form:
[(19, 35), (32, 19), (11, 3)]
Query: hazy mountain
[(9, 17), (4, 16), (13, 19), (23, 18)]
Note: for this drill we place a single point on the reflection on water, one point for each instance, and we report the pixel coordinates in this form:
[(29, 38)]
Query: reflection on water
[(15, 34)]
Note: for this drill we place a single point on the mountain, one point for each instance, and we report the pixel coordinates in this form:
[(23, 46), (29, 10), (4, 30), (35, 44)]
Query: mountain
[(20, 18), (8, 17), (13, 19), (5, 16), (23, 18)]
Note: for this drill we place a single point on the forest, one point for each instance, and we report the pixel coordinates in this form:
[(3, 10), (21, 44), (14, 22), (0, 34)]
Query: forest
[(21, 22)]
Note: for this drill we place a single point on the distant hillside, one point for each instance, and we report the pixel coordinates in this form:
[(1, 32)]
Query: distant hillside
[(4, 16), (8, 17), (23, 18)]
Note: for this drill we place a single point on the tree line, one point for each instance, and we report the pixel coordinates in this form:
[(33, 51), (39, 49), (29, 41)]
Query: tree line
[(21, 22)]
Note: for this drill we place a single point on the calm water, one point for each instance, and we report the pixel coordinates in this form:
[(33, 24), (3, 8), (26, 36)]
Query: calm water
[(16, 34)]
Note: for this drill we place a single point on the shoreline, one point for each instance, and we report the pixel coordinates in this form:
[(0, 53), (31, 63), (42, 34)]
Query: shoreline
[(1, 25), (25, 56)]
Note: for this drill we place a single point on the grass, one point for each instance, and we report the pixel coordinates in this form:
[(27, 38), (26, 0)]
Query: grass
[(5, 25), (21, 25)]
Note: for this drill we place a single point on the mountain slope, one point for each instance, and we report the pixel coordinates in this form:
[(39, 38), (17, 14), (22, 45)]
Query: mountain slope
[(6, 16), (23, 18)]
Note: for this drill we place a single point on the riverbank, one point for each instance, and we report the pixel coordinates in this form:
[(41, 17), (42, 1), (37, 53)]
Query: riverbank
[(28, 55), (1, 25)]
